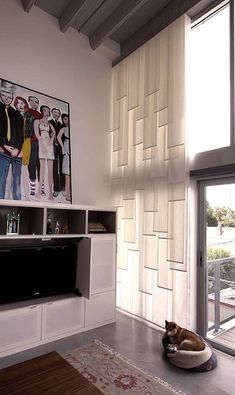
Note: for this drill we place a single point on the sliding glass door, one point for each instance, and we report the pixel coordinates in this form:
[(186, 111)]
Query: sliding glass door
[(216, 263)]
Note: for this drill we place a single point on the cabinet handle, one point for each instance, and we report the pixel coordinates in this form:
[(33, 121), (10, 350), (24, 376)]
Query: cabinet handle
[(33, 307), (48, 303)]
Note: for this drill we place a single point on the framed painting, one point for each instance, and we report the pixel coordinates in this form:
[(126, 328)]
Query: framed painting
[(35, 161)]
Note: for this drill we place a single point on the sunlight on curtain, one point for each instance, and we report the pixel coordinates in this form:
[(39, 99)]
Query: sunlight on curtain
[(149, 177)]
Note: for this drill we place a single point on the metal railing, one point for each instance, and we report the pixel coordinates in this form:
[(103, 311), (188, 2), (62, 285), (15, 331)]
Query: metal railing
[(217, 263)]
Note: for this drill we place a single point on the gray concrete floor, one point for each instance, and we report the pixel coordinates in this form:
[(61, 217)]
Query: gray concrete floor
[(142, 345)]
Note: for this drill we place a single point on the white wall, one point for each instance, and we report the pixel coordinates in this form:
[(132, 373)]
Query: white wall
[(34, 53)]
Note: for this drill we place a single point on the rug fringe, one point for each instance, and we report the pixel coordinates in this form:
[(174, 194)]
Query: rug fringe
[(108, 348)]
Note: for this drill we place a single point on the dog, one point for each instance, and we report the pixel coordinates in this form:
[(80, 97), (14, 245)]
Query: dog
[(177, 338)]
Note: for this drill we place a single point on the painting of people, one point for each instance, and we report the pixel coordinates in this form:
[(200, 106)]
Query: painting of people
[(35, 163)]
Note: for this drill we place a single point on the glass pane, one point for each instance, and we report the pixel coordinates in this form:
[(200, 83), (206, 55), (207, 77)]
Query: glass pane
[(209, 87), (220, 243)]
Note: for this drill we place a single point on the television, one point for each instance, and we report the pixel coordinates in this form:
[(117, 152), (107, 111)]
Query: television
[(36, 271)]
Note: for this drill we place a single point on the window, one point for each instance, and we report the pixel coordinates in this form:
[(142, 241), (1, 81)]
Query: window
[(209, 87)]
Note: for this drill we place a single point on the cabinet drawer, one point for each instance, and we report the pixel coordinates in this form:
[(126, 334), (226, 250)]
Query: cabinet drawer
[(100, 308), (19, 327), (62, 316)]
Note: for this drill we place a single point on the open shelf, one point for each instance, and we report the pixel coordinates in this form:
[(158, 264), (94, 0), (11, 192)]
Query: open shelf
[(105, 218), (31, 219), (73, 220)]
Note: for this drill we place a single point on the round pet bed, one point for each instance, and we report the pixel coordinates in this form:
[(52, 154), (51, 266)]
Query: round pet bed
[(200, 361)]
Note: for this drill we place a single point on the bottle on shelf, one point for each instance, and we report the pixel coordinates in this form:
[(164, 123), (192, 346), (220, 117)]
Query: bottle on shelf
[(49, 226), (57, 227), (9, 223), (13, 223)]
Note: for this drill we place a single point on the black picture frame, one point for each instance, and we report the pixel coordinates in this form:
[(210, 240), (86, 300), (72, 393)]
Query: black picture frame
[(35, 148)]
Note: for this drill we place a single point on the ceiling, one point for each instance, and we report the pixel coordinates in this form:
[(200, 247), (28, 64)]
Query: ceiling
[(128, 23)]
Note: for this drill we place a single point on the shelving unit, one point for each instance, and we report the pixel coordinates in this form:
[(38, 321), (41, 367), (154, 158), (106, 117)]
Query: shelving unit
[(76, 219), (30, 323)]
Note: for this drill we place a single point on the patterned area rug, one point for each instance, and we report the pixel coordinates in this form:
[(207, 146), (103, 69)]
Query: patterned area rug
[(113, 374)]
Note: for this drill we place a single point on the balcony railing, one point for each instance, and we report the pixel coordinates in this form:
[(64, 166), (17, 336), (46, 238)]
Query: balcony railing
[(217, 288)]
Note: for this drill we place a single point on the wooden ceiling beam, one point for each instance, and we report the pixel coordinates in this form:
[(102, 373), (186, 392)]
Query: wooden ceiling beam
[(28, 4), (116, 19), (70, 13), (169, 14)]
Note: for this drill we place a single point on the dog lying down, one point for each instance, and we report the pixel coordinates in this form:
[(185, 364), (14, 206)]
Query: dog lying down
[(177, 338)]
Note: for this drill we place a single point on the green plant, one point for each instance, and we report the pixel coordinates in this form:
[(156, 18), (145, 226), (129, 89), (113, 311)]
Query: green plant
[(217, 253)]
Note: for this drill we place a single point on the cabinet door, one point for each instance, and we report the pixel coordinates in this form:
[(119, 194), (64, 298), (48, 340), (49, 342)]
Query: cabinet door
[(103, 263), (100, 308), (19, 327), (62, 316)]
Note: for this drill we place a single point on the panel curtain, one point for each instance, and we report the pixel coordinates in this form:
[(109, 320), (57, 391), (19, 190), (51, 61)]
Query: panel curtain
[(149, 177)]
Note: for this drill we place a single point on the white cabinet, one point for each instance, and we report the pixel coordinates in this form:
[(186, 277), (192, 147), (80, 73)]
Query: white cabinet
[(100, 308), (103, 258), (62, 316), (96, 264), (19, 327), (92, 232)]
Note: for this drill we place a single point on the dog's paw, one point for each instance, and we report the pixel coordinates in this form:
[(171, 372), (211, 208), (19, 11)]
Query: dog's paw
[(171, 349)]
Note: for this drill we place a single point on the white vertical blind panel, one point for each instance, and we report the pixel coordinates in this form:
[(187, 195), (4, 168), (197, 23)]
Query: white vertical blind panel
[(116, 170), (133, 80), (163, 82), (123, 131), (123, 134), (138, 131), (121, 80), (142, 110), (126, 297), (147, 154), (148, 223), (128, 209), (153, 65), (114, 108), (177, 82), (159, 165), (149, 195), (177, 191), (146, 280), (143, 305), (176, 231), (129, 231), (122, 251), (164, 273), (160, 305), (116, 192), (150, 126), (163, 117), (150, 251), (115, 140), (161, 215), (180, 297), (176, 168)]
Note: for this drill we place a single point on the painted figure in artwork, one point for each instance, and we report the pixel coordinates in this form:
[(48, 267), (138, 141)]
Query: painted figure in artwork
[(58, 176), (21, 105), (11, 141), (45, 133), (64, 135), (34, 164)]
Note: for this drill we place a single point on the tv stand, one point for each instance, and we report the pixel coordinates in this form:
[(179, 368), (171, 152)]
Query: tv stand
[(27, 324)]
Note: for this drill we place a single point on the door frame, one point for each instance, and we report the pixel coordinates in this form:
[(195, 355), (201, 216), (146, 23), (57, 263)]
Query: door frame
[(202, 306)]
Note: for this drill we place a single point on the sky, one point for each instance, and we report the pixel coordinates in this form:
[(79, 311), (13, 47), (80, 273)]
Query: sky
[(221, 195), (209, 84)]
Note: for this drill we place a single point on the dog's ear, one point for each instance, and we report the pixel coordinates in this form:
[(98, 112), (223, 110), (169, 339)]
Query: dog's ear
[(166, 322)]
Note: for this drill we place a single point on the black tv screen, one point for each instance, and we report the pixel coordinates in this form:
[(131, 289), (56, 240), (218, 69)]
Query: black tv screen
[(34, 272)]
